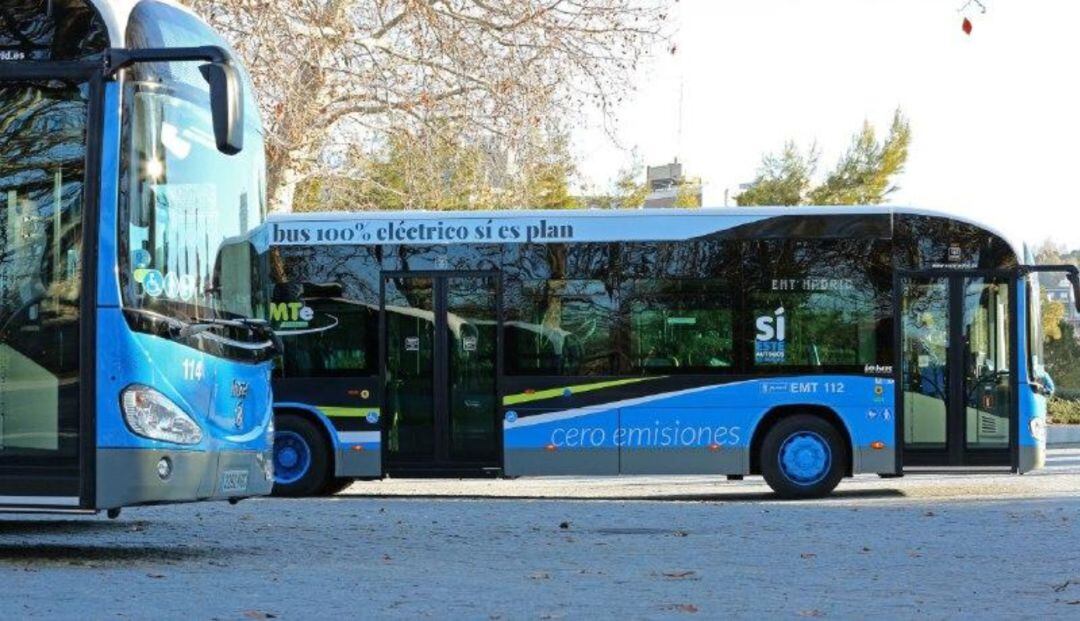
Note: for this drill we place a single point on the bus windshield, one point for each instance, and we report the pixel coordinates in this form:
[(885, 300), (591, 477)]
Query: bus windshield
[(185, 200)]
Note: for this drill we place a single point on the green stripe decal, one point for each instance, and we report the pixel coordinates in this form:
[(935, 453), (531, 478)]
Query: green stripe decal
[(341, 412), (551, 393)]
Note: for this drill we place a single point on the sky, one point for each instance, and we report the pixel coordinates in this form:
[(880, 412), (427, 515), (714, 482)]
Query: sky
[(995, 116)]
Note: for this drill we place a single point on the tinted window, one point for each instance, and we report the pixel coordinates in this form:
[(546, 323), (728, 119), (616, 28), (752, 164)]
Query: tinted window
[(679, 326), (818, 303), (325, 308), (42, 153), (678, 306), (50, 30), (560, 311), (460, 257), (928, 242)]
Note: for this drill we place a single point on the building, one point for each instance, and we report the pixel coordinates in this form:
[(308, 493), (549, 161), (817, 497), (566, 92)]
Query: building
[(664, 182), (1061, 291)]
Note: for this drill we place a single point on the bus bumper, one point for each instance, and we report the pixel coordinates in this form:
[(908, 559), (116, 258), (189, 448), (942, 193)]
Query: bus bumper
[(127, 477), (1032, 457)]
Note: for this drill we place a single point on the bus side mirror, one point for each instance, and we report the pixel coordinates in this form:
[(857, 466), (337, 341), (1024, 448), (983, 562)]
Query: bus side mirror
[(1074, 280), (226, 106)]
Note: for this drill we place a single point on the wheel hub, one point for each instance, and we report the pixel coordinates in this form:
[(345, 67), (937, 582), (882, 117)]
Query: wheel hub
[(805, 458), (292, 457)]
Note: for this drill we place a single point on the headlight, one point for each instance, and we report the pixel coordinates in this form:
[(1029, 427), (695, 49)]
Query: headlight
[(152, 415)]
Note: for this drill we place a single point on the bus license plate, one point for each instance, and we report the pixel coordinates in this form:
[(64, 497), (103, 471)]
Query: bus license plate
[(234, 481)]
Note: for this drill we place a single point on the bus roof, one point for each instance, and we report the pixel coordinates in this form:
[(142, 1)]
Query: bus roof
[(635, 224)]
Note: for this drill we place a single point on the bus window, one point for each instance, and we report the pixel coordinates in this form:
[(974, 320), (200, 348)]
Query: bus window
[(559, 310), (559, 327), (329, 337), (818, 303), (43, 140), (679, 326)]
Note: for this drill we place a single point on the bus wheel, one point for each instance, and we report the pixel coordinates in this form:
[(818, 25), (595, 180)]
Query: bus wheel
[(301, 457), (803, 457)]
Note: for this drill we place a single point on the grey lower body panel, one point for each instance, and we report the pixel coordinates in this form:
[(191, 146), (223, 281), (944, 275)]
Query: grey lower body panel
[(524, 462), (870, 461), (1031, 458), (685, 461), (733, 460), (127, 477), (358, 464)]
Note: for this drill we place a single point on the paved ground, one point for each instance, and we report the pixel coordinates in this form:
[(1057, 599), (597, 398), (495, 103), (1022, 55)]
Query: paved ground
[(970, 546)]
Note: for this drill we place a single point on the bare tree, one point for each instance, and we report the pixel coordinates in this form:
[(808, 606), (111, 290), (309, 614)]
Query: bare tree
[(332, 74)]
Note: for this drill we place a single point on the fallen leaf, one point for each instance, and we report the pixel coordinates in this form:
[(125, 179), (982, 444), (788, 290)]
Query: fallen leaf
[(687, 608), (258, 614), (564, 525), (808, 555), (539, 575), (811, 613), (678, 575), (155, 576)]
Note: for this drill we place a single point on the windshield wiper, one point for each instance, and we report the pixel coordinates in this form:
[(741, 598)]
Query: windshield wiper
[(259, 327)]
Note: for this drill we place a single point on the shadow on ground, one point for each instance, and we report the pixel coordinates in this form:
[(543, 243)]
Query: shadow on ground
[(839, 495), (65, 527), (98, 554)]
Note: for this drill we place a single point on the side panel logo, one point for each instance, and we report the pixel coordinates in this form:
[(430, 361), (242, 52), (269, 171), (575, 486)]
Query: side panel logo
[(769, 344)]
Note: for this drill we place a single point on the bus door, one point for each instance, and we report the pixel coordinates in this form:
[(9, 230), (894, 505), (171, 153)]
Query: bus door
[(439, 367), (47, 178), (957, 395)]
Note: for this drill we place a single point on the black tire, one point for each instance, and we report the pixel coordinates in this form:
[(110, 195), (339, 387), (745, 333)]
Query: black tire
[(337, 485), (312, 479), (821, 434)]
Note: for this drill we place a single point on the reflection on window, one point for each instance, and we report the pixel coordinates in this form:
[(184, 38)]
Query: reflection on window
[(819, 303), (679, 326), (42, 150), (560, 327), (189, 208), (986, 330), (327, 337)]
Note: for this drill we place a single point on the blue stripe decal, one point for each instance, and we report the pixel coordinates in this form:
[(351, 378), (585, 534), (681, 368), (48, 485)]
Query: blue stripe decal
[(711, 417)]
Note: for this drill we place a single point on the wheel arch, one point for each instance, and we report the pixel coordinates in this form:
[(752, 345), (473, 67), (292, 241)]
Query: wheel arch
[(780, 412), (314, 415)]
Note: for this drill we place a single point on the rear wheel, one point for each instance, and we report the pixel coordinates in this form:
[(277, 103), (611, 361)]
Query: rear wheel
[(301, 457), (803, 457)]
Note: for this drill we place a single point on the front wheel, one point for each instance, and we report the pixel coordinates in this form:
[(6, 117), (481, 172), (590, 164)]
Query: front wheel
[(803, 457), (301, 457)]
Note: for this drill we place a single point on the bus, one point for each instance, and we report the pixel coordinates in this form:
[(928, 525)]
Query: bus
[(801, 344), (133, 266)]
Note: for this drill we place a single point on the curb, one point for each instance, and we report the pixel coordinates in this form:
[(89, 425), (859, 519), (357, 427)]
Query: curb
[(1062, 434)]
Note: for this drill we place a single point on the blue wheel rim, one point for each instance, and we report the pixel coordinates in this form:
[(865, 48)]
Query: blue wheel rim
[(805, 458), (292, 457)]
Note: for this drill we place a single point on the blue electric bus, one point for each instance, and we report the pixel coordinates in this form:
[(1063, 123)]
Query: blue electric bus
[(133, 369), (804, 345)]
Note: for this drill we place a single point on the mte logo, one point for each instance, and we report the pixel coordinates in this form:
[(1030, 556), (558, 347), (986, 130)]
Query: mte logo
[(290, 314), (769, 346)]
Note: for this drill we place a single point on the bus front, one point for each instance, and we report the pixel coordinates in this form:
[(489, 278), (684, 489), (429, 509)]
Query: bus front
[(132, 190)]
